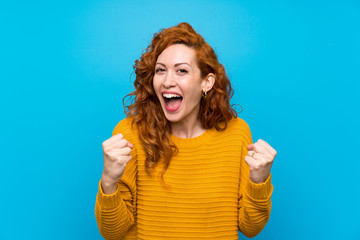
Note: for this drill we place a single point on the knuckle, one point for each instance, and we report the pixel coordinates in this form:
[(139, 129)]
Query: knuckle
[(128, 150), (261, 163), (125, 151), (104, 144), (120, 135), (121, 162), (269, 162), (105, 149), (112, 158), (124, 160), (123, 142), (256, 166), (128, 159)]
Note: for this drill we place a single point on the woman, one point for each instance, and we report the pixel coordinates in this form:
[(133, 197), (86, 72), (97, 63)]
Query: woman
[(182, 164)]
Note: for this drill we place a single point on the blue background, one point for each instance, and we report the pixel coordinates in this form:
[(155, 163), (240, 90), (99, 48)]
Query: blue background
[(66, 65)]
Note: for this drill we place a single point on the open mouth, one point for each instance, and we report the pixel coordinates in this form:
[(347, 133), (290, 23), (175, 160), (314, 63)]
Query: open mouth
[(172, 101)]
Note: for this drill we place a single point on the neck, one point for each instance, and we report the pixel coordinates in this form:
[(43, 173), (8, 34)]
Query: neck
[(187, 129)]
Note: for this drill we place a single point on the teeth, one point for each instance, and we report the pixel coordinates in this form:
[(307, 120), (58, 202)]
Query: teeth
[(170, 95)]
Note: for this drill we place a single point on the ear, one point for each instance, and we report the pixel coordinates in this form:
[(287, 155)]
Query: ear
[(208, 82)]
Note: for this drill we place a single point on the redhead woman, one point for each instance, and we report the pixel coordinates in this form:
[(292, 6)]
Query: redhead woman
[(182, 165)]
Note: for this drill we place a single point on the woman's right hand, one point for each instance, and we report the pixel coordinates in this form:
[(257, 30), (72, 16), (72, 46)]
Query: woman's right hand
[(116, 152)]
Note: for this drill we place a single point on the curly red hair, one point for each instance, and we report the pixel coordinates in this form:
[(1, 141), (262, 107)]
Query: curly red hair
[(145, 109)]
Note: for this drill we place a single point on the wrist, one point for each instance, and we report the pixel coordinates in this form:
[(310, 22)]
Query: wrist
[(108, 186), (258, 178)]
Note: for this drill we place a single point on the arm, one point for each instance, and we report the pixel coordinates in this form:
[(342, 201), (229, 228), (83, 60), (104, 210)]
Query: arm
[(116, 212), (254, 198)]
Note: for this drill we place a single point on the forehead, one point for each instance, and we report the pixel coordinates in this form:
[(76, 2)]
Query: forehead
[(177, 53)]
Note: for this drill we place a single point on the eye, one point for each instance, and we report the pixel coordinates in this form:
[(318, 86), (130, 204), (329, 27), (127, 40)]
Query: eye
[(182, 70), (159, 70)]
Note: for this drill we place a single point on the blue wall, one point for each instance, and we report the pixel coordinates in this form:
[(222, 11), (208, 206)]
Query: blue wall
[(66, 65)]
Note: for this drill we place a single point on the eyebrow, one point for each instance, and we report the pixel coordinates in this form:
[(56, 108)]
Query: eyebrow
[(177, 64)]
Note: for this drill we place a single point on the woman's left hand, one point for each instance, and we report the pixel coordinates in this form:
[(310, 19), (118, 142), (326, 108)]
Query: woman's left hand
[(260, 159)]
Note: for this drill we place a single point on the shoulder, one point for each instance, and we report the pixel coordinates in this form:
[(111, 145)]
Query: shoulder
[(238, 130), (238, 124), (126, 128)]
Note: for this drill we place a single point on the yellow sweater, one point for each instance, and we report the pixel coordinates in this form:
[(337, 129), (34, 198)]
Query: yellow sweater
[(209, 193)]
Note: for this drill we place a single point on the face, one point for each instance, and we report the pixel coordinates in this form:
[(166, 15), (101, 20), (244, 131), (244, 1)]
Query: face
[(178, 84)]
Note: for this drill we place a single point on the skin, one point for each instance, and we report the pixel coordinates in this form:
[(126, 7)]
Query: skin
[(260, 159), (116, 153), (176, 70)]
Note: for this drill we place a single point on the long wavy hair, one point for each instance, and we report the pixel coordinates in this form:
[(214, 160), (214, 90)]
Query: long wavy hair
[(145, 109)]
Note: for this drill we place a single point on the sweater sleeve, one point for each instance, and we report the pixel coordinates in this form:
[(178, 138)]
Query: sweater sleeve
[(254, 199), (116, 213)]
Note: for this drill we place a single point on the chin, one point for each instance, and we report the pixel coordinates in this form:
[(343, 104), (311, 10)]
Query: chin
[(172, 117)]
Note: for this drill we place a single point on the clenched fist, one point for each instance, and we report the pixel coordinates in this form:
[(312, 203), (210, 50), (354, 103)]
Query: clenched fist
[(260, 159), (116, 152)]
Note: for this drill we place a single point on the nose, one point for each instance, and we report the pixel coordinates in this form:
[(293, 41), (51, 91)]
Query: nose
[(169, 81)]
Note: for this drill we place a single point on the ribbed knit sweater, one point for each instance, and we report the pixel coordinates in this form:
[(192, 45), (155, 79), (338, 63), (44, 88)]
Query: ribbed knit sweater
[(208, 194)]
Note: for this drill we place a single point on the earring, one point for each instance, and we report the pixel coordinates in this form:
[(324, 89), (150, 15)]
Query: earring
[(204, 94)]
